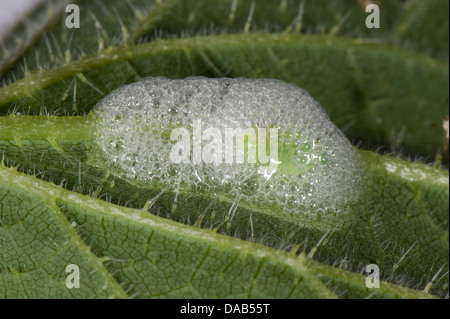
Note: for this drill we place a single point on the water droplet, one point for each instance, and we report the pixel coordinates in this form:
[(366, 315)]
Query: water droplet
[(302, 160), (155, 103), (173, 111), (306, 147), (250, 186)]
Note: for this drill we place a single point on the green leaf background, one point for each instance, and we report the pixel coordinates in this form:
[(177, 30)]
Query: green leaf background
[(386, 89)]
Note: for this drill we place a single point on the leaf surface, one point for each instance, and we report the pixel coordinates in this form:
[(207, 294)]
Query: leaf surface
[(61, 205)]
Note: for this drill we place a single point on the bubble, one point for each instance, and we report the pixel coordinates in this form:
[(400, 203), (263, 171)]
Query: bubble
[(323, 159), (306, 147), (155, 103), (173, 111), (316, 166), (250, 186)]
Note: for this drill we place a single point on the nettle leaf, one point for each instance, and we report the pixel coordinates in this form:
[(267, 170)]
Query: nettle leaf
[(368, 90), (401, 222), (126, 252), (136, 21), (61, 204)]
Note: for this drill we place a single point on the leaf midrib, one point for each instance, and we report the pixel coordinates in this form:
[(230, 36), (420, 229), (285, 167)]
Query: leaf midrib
[(41, 79)]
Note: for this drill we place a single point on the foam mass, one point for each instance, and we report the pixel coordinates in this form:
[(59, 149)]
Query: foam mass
[(317, 167)]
